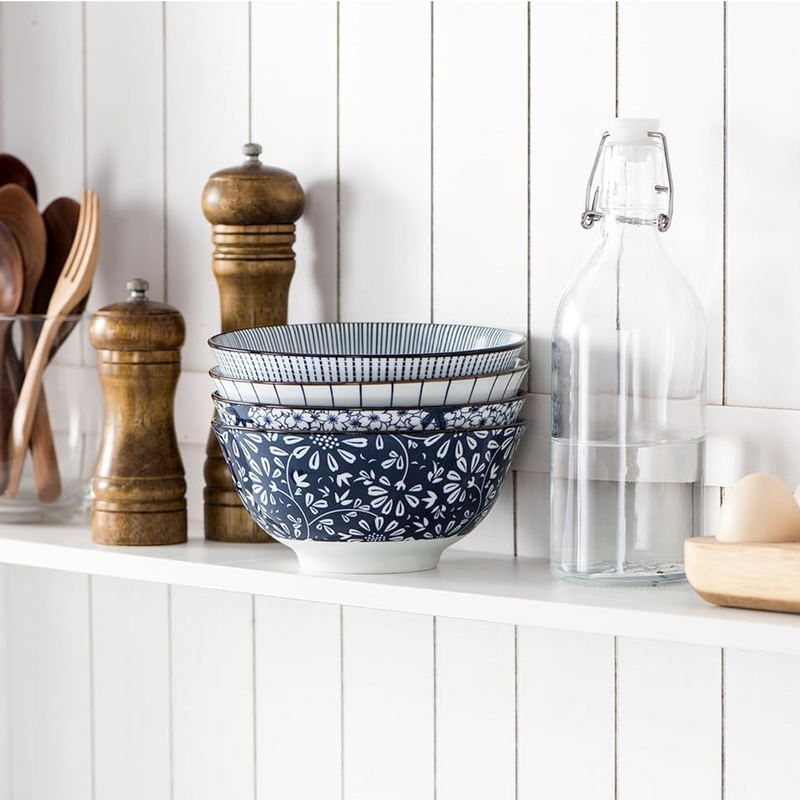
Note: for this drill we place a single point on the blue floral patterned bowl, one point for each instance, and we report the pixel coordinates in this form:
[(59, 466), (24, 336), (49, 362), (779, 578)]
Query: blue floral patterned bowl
[(336, 352), (368, 502), (284, 418)]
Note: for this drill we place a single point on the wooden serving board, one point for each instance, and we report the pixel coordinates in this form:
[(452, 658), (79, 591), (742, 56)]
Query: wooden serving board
[(760, 576)]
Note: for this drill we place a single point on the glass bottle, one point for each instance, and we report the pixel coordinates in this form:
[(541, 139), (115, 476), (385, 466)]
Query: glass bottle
[(628, 382)]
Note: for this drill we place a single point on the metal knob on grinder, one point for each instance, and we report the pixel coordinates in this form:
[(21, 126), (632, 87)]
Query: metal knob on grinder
[(139, 485)]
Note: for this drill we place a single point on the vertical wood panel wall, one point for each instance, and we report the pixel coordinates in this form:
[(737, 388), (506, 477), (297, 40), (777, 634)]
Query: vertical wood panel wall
[(475, 710), (212, 677), (124, 133), (763, 127), (387, 705), (669, 720), (115, 689), (444, 150), (384, 129), (50, 711), (298, 657), (480, 187), (5, 689), (576, 43), (130, 669), (566, 715)]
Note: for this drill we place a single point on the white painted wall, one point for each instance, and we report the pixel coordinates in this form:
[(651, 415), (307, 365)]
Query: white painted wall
[(444, 151)]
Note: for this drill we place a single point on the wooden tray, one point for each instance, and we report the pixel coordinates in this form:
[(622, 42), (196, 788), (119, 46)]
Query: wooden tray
[(761, 576)]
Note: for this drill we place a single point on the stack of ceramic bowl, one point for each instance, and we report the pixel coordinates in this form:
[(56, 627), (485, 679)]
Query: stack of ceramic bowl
[(368, 447)]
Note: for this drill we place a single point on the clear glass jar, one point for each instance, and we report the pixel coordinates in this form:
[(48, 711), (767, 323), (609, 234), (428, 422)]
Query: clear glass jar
[(56, 477), (628, 384)]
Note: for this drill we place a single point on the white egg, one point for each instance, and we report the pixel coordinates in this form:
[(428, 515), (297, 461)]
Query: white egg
[(759, 508)]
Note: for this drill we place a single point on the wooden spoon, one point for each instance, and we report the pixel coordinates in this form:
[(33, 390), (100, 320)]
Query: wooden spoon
[(73, 285), (12, 170), (19, 212), (61, 222), (11, 284)]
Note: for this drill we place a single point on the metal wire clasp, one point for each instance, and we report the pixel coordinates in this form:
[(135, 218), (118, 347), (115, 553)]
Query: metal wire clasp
[(591, 214)]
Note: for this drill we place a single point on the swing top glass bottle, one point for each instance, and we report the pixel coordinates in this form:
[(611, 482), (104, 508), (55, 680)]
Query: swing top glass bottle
[(628, 382)]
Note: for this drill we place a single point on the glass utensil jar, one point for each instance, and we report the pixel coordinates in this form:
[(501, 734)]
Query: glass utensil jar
[(628, 382), (57, 471)]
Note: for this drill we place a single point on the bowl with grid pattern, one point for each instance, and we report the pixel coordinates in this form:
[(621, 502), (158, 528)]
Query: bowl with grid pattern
[(467, 390)]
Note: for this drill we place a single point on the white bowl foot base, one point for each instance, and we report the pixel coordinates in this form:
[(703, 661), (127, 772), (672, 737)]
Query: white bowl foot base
[(369, 558)]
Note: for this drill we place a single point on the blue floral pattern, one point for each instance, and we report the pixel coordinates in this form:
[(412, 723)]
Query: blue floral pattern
[(252, 415), (368, 487)]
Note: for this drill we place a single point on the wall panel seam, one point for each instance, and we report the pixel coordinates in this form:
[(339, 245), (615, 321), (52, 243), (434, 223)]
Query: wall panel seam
[(528, 167), (514, 504), (92, 703), (724, 202), (341, 690), (616, 58), (722, 721), (255, 687), (171, 708), (164, 188), (5, 571), (434, 715), (516, 687), (616, 718), (2, 90), (249, 71), (84, 101), (432, 280), (338, 173)]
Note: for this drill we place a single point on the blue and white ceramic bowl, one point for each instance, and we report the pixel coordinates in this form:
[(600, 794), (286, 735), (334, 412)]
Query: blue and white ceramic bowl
[(470, 390), (283, 418), (339, 352), (368, 502)]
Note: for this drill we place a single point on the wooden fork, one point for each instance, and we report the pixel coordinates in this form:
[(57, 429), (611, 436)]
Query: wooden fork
[(73, 285)]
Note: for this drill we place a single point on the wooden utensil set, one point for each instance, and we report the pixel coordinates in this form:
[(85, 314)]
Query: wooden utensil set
[(47, 263)]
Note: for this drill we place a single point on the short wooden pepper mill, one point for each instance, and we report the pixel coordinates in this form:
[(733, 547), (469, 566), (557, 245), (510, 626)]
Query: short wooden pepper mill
[(252, 209), (139, 485)]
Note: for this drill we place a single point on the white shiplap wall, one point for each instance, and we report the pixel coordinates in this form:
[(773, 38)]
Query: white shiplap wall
[(444, 151)]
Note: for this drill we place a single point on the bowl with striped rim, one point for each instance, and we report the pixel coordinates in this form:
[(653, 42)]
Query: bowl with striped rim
[(359, 352), (309, 418), (368, 502), (467, 390)]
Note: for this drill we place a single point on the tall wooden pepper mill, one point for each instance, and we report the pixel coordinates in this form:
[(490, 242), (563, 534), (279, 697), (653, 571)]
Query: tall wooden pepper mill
[(139, 485), (252, 209)]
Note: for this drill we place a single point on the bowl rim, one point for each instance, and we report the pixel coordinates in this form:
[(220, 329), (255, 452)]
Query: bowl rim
[(521, 424), (521, 396), (520, 365), (517, 343)]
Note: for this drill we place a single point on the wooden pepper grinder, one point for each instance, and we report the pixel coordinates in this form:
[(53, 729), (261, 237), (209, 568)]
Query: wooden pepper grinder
[(139, 485), (252, 209)]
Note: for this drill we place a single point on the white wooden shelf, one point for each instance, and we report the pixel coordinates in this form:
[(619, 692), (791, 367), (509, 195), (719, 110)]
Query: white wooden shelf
[(466, 585)]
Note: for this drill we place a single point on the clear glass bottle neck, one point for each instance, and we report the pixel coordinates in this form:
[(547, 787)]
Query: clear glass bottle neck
[(636, 243), (632, 183), (639, 229)]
